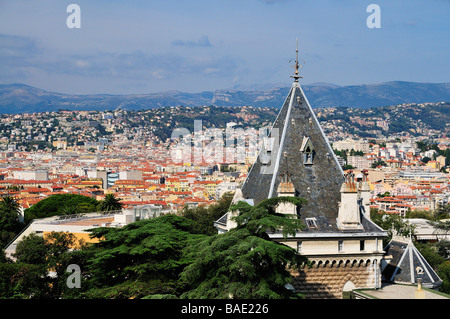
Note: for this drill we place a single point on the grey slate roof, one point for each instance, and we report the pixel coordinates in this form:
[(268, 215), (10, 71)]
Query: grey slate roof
[(222, 221), (319, 182), (297, 134), (408, 264)]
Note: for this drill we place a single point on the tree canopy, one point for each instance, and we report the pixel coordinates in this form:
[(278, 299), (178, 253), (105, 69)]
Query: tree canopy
[(140, 259), (10, 224), (110, 203), (57, 205), (170, 256), (204, 217), (40, 267), (244, 262)]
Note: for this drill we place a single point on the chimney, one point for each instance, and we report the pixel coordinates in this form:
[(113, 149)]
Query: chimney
[(364, 190), (286, 188), (349, 215)]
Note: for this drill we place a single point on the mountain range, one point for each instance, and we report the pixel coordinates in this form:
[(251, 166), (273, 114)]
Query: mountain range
[(22, 98)]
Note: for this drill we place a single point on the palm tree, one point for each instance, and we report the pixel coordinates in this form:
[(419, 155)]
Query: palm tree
[(69, 210), (110, 203), (10, 203), (10, 219)]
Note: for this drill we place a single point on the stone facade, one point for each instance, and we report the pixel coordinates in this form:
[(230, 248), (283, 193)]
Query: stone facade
[(330, 279)]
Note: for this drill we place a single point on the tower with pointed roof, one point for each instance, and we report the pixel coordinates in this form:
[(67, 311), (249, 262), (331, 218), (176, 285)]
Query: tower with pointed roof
[(406, 265), (296, 147), (296, 159)]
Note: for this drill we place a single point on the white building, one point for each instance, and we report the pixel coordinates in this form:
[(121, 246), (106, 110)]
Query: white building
[(359, 162), (130, 175), (31, 175), (349, 144)]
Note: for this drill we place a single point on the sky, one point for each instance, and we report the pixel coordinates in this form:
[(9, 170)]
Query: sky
[(139, 47)]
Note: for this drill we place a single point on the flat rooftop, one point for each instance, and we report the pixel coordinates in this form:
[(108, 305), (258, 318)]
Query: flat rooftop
[(400, 291), (89, 222)]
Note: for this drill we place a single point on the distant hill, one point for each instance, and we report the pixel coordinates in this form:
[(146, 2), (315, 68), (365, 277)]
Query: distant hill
[(327, 95), (21, 98)]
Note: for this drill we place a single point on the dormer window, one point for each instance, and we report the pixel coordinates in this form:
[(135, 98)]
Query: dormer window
[(267, 150), (308, 156), (268, 143), (308, 151), (311, 222), (265, 158)]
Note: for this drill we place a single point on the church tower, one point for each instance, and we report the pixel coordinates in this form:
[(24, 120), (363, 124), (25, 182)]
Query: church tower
[(344, 247)]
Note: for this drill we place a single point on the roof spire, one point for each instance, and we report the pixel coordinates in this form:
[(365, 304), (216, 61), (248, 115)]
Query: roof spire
[(296, 76)]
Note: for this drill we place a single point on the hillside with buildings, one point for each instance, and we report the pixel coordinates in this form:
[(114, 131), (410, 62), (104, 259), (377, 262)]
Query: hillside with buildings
[(131, 152), (97, 130)]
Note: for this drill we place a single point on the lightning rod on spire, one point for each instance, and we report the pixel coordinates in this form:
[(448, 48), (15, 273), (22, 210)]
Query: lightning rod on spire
[(296, 76)]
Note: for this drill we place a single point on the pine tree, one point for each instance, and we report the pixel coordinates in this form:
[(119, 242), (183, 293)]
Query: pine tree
[(244, 262)]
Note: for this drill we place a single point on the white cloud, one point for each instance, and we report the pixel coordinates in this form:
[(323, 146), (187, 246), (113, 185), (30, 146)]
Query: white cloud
[(17, 56), (19, 53)]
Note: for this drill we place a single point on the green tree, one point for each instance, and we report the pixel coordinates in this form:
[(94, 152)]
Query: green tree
[(205, 217), (39, 270), (390, 223), (379, 163), (244, 262), (385, 194), (59, 247), (85, 208), (21, 281), (443, 248), (54, 205), (140, 259), (10, 203), (110, 203), (430, 254), (10, 224), (444, 273), (442, 211), (69, 210), (31, 250)]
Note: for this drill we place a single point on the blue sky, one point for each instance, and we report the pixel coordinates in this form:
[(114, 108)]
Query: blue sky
[(200, 45)]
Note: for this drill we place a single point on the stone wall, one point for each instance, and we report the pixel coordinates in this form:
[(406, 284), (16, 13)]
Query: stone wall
[(327, 280)]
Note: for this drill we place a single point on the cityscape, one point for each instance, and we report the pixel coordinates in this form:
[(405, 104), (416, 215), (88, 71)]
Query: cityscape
[(130, 154)]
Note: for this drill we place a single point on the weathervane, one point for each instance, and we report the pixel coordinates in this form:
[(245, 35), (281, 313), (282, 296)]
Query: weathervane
[(296, 76)]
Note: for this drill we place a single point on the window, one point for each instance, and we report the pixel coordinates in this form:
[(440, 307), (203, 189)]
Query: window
[(308, 151), (308, 156), (266, 153), (340, 245), (299, 246), (264, 157), (362, 244), (268, 143), (311, 222)]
